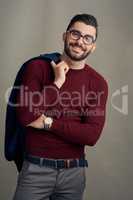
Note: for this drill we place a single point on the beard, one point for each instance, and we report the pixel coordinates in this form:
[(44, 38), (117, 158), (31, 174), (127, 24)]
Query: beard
[(73, 55)]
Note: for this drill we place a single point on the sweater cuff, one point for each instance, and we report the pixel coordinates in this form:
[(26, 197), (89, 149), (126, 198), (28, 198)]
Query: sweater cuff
[(56, 125)]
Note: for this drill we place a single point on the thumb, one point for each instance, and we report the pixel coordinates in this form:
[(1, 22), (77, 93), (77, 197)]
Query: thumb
[(66, 69)]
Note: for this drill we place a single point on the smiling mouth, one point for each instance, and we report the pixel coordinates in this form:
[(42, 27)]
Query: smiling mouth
[(77, 49)]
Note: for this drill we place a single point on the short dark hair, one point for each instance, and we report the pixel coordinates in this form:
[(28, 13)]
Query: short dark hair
[(85, 18)]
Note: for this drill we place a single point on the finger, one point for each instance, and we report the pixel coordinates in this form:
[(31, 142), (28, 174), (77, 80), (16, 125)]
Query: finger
[(66, 69), (43, 116), (53, 64), (61, 63)]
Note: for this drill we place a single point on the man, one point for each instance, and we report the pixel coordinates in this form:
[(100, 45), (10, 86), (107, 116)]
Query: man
[(62, 106)]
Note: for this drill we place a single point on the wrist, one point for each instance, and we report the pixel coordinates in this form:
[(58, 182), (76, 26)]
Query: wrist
[(58, 83)]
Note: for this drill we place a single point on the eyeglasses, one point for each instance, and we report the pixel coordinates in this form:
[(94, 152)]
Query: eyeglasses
[(76, 35)]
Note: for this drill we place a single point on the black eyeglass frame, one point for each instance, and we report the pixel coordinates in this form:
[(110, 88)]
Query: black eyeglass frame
[(83, 36)]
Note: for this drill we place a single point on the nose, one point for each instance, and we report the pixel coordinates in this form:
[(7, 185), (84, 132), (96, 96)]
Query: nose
[(80, 40)]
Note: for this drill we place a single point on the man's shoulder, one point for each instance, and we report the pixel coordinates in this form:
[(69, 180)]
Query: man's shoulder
[(37, 61), (96, 78), (36, 65), (43, 60)]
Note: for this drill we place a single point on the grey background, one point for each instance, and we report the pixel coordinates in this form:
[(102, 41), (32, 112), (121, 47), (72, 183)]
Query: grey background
[(30, 27)]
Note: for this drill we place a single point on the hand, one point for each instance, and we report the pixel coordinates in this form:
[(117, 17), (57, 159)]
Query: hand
[(60, 71), (38, 123)]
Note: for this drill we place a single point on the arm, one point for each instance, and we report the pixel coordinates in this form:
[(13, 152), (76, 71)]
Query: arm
[(86, 133), (33, 98), (32, 79)]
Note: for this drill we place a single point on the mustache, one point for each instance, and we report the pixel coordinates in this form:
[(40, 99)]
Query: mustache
[(77, 45)]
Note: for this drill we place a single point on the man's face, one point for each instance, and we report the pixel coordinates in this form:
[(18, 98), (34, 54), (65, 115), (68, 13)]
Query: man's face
[(77, 49)]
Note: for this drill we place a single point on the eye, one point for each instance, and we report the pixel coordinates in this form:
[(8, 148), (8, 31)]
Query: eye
[(75, 33), (88, 39)]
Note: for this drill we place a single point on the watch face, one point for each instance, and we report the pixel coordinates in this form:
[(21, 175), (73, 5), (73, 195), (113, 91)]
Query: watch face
[(48, 120), (47, 123)]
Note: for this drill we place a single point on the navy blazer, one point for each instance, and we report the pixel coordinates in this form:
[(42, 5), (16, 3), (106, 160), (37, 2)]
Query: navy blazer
[(14, 148)]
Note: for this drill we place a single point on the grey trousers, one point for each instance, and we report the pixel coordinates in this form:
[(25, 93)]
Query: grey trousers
[(42, 183)]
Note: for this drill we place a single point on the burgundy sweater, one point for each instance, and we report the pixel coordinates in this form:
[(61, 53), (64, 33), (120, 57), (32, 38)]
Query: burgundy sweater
[(78, 110)]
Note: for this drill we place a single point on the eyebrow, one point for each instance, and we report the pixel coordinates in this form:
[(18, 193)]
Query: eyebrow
[(83, 34)]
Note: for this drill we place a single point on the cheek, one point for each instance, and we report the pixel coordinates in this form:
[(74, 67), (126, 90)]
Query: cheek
[(67, 42), (89, 48), (71, 42)]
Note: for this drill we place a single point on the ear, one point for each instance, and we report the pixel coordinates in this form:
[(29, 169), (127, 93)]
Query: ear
[(64, 36), (93, 48)]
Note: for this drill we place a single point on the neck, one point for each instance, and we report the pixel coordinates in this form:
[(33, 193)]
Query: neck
[(72, 63)]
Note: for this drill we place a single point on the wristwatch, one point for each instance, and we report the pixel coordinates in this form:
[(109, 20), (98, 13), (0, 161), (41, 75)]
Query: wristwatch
[(48, 123)]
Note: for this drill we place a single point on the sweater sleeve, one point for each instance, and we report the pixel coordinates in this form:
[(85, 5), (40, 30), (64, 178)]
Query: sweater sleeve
[(89, 131), (34, 97)]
